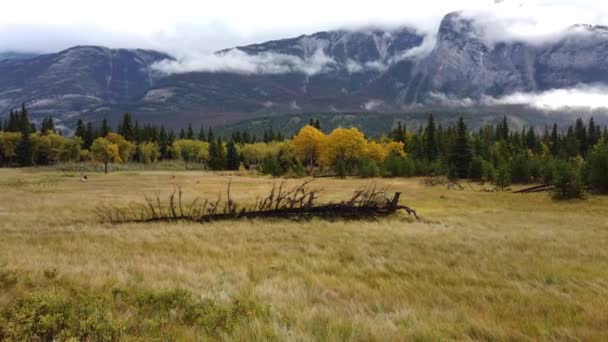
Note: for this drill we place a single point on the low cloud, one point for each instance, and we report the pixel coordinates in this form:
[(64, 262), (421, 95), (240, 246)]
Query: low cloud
[(237, 61), (436, 98), (372, 105), (420, 51), (415, 53), (533, 22), (583, 97)]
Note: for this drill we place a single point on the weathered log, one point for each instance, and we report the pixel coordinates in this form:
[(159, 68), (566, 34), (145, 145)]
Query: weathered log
[(298, 203), (537, 188)]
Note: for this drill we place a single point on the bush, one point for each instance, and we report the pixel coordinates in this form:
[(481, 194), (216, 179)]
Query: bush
[(395, 166), (214, 318), (340, 168), (368, 168), (488, 171), (548, 171), (476, 169), (271, 166), (597, 168), (567, 181), (503, 177), (520, 169), (51, 317)]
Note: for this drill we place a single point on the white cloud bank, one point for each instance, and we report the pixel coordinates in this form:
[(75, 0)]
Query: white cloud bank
[(237, 61), (206, 26), (582, 97)]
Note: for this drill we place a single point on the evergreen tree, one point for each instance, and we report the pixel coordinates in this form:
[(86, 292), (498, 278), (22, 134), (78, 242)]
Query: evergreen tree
[(105, 128), (217, 155), (531, 139), (182, 134), (163, 143), (210, 136), (137, 133), (505, 129), (555, 146), (592, 134), (232, 156), (24, 149), (48, 125), (126, 127), (460, 156), (317, 124), (266, 139), (190, 132), (88, 136), (430, 137), (80, 129), (581, 135), (13, 122)]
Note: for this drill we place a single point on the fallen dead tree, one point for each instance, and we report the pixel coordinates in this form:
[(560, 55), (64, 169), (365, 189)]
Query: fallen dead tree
[(297, 203), (538, 188)]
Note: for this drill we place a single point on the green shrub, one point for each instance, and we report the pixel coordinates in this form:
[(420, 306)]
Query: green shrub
[(520, 169), (598, 168), (548, 171), (58, 317), (503, 177), (271, 166), (567, 181), (340, 168), (367, 168), (206, 314), (395, 166), (50, 316), (476, 168)]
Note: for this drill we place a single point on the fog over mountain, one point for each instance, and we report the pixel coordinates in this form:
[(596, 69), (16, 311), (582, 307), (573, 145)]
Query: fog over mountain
[(546, 56)]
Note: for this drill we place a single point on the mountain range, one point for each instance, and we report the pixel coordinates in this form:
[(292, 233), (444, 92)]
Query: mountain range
[(363, 71)]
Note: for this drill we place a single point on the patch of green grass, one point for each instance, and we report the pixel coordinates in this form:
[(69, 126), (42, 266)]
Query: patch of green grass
[(64, 313)]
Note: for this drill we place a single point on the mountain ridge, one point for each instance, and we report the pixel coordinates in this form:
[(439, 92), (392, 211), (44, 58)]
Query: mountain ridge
[(370, 70)]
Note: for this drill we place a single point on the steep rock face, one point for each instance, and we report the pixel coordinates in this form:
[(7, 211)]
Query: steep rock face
[(579, 58), (351, 62), (462, 65), (367, 46)]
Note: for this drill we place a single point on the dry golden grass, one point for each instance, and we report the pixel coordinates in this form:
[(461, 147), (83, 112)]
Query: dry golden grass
[(488, 266)]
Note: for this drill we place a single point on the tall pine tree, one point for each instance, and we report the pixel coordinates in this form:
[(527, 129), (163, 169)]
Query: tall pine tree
[(24, 149), (461, 155), (430, 138), (232, 156)]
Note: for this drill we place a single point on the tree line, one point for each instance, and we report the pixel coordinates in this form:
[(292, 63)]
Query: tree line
[(574, 158)]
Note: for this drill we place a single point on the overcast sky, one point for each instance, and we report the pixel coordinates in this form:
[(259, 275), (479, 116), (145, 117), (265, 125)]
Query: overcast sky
[(179, 26)]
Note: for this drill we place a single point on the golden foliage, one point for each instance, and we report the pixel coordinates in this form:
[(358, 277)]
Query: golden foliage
[(309, 145), (125, 148), (347, 144), (395, 147), (376, 151), (105, 151)]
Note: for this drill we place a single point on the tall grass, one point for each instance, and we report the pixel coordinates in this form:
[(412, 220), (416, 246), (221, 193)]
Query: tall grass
[(489, 266)]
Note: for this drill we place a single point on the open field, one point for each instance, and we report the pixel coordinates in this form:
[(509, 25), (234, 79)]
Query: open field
[(486, 266)]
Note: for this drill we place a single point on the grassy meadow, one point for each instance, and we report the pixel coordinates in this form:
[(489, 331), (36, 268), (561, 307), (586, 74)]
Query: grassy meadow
[(483, 266)]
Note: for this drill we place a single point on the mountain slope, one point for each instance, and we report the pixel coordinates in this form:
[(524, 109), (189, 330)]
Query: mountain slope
[(77, 80)]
